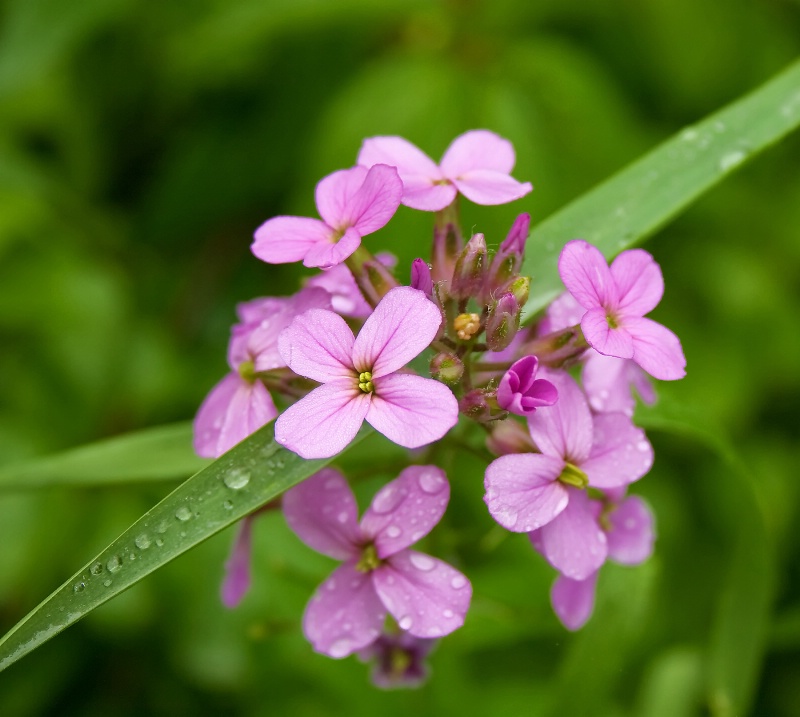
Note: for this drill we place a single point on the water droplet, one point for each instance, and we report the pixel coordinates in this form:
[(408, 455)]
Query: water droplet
[(388, 498), (162, 527), (732, 159), (183, 513), (114, 563), (643, 446), (431, 482), (448, 613), (417, 534), (228, 505), (405, 622), (393, 531), (78, 587), (422, 562), (342, 517), (332, 483), (96, 569), (340, 648), (331, 585), (107, 583), (159, 542), (132, 556), (280, 464), (629, 523), (719, 127), (458, 582), (434, 631), (689, 134), (142, 541), (236, 479)]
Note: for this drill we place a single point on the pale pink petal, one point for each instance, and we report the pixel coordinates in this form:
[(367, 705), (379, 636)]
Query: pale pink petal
[(412, 411), (656, 349), (407, 509), (324, 422), (345, 613), (326, 254), (562, 313), (232, 411), (604, 339), (318, 344), (486, 187), (620, 453), (564, 430), (237, 568), (376, 202), (402, 326), (607, 384), (573, 600), (322, 512), (630, 540), (523, 492), (585, 273), (335, 193), (426, 596), (285, 239), (345, 295), (421, 193), (478, 149), (400, 153), (573, 541), (640, 284)]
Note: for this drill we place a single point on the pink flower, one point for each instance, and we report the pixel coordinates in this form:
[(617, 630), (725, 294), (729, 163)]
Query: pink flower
[(477, 164), (361, 379), (531, 491), (521, 392), (352, 203), (616, 298), (427, 597), (240, 403), (237, 568)]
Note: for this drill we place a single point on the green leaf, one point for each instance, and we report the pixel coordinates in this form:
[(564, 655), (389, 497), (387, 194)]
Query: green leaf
[(644, 196), (154, 454), (244, 479)]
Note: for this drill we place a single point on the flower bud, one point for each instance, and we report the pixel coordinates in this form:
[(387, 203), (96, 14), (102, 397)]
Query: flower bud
[(447, 367), (508, 260), (480, 405), (421, 276), (509, 436), (521, 288), (470, 270), (375, 280), (503, 322), (447, 245)]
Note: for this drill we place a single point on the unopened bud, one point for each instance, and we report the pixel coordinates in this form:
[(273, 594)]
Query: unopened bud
[(503, 322), (375, 281), (447, 244), (521, 288), (508, 260), (447, 367), (509, 436), (421, 276), (480, 405), (470, 270)]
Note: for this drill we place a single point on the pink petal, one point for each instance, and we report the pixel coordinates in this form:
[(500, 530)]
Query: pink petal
[(318, 344), (564, 430), (422, 194), (346, 297), (237, 568), (630, 540), (334, 195), (232, 411), (426, 596), (562, 313), (322, 512), (607, 384), (487, 187), (407, 509), (285, 239), (324, 422), (326, 254), (402, 326), (412, 411), (523, 492), (640, 284), (478, 149), (400, 153), (573, 541), (377, 200), (656, 349), (345, 613), (602, 338), (585, 273), (620, 453), (573, 600)]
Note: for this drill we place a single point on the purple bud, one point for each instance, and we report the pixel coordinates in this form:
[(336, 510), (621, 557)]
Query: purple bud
[(508, 260), (421, 276), (503, 322), (521, 392), (447, 367), (447, 245), (508, 437), (480, 405), (470, 271)]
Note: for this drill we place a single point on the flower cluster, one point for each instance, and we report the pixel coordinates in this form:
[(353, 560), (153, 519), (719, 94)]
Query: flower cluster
[(555, 397)]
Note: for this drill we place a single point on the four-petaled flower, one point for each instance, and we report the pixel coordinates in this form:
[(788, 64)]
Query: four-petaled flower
[(426, 596), (521, 392), (361, 380), (478, 164)]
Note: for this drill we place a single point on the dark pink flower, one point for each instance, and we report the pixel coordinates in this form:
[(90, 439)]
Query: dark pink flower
[(352, 203), (426, 596), (478, 164), (521, 392)]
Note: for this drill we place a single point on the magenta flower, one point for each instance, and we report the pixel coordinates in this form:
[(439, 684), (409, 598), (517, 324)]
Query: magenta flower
[(361, 379), (616, 298), (531, 491), (352, 203), (478, 164), (237, 568), (399, 660), (426, 596), (240, 403), (520, 392)]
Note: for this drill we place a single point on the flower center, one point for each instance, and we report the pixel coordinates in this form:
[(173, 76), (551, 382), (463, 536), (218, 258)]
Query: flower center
[(365, 382), (574, 476), (369, 560), (466, 325), (612, 321), (247, 370)]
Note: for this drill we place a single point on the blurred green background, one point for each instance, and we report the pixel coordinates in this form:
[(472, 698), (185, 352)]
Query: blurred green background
[(141, 143)]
